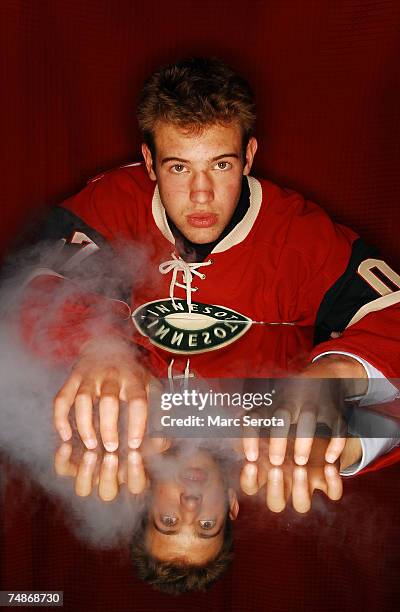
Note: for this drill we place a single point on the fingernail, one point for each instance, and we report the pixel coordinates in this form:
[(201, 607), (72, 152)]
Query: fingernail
[(300, 474), (111, 446), (91, 443), (134, 457), (251, 469), (65, 434), (134, 443), (276, 459), (330, 470), (252, 455), (300, 459), (276, 475), (110, 459), (90, 458), (330, 458)]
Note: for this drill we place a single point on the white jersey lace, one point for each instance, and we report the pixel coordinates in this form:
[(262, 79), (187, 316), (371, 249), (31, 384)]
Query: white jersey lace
[(177, 264)]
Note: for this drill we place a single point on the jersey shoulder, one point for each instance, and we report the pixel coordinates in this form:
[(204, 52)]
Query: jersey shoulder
[(115, 202), (131, 175), (308, 225)]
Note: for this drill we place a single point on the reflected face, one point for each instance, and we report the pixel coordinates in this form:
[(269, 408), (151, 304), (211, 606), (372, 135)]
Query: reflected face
[(189, 510), (199, 176)]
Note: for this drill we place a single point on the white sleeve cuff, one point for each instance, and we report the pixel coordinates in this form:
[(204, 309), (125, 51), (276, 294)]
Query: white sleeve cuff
[(379, 390), (371, 449)]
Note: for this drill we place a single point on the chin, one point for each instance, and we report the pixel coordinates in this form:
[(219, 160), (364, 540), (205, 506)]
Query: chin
[(201, 236)]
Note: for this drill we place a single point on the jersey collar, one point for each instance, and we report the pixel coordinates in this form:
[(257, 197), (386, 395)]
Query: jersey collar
[(238, 233)]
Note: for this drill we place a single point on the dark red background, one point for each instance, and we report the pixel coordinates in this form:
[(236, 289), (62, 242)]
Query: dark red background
[(339, 557), (327, 83), (325, 74)]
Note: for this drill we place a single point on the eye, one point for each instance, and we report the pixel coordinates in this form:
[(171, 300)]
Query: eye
[(223, 165), (207, 524), (169, 521), (178, 169)]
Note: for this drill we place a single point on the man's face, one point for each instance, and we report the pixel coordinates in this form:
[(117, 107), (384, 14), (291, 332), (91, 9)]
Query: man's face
[(199, 176), (189, 508)]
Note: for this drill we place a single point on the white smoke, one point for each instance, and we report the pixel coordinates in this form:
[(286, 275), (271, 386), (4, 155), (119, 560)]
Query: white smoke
[(28, 385), (29, 442)]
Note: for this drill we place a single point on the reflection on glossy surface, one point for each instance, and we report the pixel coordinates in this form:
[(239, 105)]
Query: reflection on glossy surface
[(106, 471), (65, 511), (190, 481), (185, 541), (280, 484)]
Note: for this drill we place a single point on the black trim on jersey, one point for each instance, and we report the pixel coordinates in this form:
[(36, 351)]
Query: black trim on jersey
[(101, 271), (346, 296), (62, 223)]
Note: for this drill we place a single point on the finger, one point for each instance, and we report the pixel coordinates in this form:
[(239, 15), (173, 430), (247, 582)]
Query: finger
[(155, 446), (288, 483), (277, 450), (84, 478), (63, 402), (335, 449), (251, 448), (248, 479), (108, 483), (122, 472), (109, 410), (263, 469), (137, 415), (62, 461), (137, 479), (300, 492), (84, 414), (278, 437), (317, 480), (251, 437), (334, 482), (305, 431), (275, 490)]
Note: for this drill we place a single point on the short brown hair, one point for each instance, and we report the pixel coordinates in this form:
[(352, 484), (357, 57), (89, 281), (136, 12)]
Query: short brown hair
[(179, 577), (193, 93)]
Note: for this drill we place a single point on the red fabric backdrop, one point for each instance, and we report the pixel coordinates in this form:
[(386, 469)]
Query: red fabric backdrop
[(325, 74), (326, 78), (340, 557)]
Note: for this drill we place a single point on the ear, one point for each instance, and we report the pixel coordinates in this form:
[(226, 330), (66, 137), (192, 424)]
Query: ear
[(148, 160), (233, 504), (250, 153)]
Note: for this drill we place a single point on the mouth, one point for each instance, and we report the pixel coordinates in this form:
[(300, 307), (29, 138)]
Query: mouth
[(202, 219), (194, 475)]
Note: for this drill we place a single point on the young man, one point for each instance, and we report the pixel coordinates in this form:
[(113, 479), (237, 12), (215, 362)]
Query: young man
[(226, 255)]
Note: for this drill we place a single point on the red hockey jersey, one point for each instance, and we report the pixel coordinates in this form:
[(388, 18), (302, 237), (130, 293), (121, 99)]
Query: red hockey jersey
[(284, 264)]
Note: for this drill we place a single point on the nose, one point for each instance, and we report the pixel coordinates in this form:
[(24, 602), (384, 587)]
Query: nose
[(191, 503), (201, 188)]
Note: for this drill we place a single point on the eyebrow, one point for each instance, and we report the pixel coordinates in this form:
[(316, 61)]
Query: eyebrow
[(187, 161), (203, 536)]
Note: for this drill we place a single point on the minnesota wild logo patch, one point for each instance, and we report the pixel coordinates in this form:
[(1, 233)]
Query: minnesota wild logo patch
[(173, 328)]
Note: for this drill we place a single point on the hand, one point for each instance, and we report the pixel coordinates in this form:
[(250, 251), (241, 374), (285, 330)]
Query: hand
[(352, 453), (306, 402), (107, 370), (107, 472), (290, 480)]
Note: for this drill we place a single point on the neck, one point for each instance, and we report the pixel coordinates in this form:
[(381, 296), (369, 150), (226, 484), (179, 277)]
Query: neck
[(194, 252)]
